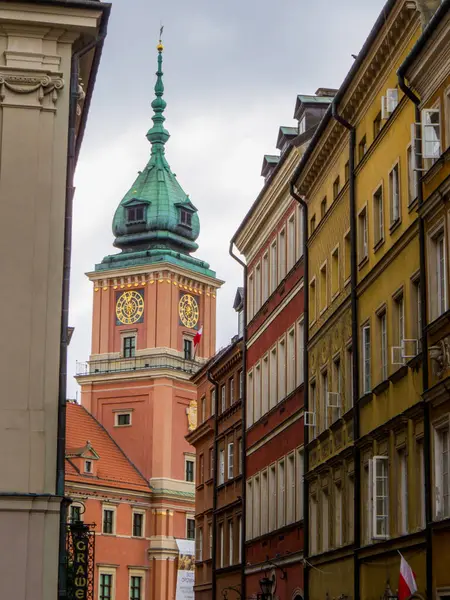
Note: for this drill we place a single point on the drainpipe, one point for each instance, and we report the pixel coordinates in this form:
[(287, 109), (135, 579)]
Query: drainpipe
[(304, 207), (214, 516), (355, 344), (424, 341), (62, 394), (244, 421)]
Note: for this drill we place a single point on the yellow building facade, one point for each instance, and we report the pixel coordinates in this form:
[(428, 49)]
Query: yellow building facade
[(367, 484), (427, 72)]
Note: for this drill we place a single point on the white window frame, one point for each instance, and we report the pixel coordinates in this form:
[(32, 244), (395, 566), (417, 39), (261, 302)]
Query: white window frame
[(323, 291), (412, 177), (249, 395), (135, 511), (108, 571), (230, 542), (189, 458), (299, 479), (338, 512), (265, 390), (121, 413), (264, 501), (112, 508), (249, 510), (363, 234), (281, 496), (335, 272), (366, 359), (290, 361), (231, 388), (440, 428), (230, 460), (273, 376), (223, 398), (137, 573), (325, 514), (190, 518), (256, 505), (281, 373), (199, 544), (382, 325), (273, 489), (221, 466), (258, 287), (282, 254), (299, 351), (402, 482), (257, 392), (299, 222), (213, 401), (273, 266), (291, 485), (265, 273), (377, 518), (395, 194), (250, 297), (378, 212), (431, 148), (291, 246), (222, 545), (89, 470)]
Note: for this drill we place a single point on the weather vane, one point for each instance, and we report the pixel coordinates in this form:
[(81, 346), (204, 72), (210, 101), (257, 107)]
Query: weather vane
[(161, 32)]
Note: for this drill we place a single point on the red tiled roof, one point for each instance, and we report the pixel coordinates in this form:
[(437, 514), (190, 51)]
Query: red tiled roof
[(114, 469)]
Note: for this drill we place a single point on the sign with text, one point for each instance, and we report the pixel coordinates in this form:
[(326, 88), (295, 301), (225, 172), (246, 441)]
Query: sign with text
[(185, 573), (80, 562)]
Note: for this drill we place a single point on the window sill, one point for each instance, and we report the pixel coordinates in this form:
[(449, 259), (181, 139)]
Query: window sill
[(381, 387), (200, 486), (323, 310), (109, 534), (378, 245), (121, 426), (394, 225), (398, 374), (413, 204), (365, 398), (362, 263)]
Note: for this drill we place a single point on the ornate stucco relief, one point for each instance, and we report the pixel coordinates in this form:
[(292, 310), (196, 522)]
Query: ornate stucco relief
[(30, 90)]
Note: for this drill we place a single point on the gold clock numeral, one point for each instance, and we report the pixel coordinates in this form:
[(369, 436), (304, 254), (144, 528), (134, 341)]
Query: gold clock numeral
[(188, 310), (129, 307)]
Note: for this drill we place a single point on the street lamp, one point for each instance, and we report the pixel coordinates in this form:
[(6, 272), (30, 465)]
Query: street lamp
[(266, 588)]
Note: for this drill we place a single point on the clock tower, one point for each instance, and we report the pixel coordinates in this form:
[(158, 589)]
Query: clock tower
[(150, 300)]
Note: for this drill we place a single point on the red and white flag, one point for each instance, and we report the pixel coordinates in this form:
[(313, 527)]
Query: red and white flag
[(406, 582), (197, 338)]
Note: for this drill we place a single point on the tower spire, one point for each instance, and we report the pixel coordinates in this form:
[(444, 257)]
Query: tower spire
[(158, 134)]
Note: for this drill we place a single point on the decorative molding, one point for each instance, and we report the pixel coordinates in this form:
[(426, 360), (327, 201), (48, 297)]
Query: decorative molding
[(45, 85), (440, 356)]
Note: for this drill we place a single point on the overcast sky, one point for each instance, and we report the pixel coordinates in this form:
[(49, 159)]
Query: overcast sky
[(232, 70)]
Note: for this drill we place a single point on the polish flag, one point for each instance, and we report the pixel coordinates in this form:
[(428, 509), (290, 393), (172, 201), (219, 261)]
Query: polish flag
[(406, 582), (197, 338)]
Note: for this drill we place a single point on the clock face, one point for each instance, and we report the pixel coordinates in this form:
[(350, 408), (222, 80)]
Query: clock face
[(188, 310), (130, 307)]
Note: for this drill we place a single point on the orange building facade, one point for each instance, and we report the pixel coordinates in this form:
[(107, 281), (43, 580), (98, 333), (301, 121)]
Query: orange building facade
[(154, 322)]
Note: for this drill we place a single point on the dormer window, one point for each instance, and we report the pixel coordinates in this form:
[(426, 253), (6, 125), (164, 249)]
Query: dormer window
[(88, 466), (135, 214), (185, 217)]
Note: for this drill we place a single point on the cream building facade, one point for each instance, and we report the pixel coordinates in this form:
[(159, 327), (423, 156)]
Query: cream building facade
[(49, 53)]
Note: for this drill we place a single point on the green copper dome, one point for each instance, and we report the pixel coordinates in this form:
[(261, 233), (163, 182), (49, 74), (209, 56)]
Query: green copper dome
[(156, 212)]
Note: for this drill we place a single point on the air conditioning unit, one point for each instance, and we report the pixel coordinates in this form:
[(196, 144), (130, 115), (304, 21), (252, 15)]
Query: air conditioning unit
[(389, 103), (407, 349), (310, 419), (333, 400)]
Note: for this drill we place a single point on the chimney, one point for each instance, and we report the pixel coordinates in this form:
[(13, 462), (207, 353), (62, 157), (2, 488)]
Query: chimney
[(427, 8)]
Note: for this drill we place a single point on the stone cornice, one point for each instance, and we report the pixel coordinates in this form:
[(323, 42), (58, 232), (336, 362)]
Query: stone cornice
[(273, 202), (148, 272), (431, 68), (392, 41)]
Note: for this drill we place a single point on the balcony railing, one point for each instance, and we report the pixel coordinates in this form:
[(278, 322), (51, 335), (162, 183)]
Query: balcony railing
[(138, 363)]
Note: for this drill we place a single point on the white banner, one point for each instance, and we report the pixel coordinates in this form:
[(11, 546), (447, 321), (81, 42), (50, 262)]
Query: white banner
[(185, 573)]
